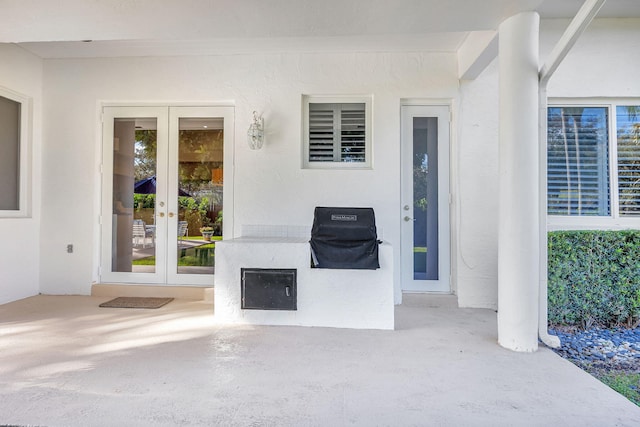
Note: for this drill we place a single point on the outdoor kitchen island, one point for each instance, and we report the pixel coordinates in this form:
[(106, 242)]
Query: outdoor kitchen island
[(340, 298)]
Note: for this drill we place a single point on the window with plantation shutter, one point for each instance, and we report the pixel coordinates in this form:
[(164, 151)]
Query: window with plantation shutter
[(593, 165), (337, 132), (577, 161), (628, 135)]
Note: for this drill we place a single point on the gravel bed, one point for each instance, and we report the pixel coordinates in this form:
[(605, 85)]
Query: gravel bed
[(604, 348)]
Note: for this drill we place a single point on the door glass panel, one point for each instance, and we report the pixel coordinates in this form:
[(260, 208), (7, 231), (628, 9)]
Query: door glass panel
[(425, 198), (134, 195), (10, 119), (200, 172)]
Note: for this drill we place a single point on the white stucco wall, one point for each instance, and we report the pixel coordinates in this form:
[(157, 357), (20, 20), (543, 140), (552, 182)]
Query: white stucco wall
[(21, 72), (270, 187), (604, 62), (477, 191)]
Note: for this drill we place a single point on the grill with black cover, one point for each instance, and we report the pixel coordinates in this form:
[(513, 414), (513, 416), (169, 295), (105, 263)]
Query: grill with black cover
[(344, 238)]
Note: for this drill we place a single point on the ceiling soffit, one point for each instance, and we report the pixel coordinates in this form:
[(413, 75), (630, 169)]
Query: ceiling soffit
[(209, 27)]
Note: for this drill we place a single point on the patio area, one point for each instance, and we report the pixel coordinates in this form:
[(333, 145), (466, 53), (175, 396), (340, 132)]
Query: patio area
[(66, 362), (189, 247)]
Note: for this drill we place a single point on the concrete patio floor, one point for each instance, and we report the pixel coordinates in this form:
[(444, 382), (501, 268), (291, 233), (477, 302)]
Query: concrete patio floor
[(66, 362)]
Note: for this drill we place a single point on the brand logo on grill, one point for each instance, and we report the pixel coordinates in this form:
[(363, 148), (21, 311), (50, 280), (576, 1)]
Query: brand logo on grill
[(338, 217)]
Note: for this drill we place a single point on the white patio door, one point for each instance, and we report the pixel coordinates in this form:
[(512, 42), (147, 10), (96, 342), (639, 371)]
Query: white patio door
[(163, 180), (425, 257)]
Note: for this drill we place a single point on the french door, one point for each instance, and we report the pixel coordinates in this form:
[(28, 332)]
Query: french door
[(425, 257), (165, 176)]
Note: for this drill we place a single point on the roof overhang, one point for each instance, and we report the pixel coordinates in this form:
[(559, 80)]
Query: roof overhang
[(106, 28), (192, 27)]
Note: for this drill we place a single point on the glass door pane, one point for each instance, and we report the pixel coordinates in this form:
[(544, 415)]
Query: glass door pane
[(425, 198), (199, 147), (134, 195), (199, 198)]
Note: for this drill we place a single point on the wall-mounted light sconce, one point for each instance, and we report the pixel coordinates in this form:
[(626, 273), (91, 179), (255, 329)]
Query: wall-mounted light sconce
[(255, 134)]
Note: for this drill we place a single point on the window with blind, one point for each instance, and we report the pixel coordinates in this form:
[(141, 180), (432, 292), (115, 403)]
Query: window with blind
[(593, 161), (13, 154), (337, 132), (628, 135), (577, 161)]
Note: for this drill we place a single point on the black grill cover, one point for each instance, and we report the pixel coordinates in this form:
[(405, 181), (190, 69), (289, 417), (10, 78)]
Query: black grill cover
[(344, 238)]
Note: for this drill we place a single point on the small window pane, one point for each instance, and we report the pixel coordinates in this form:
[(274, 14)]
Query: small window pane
[(352, 133), (337, 134), (628, 132), (9, 154), (577, 164)]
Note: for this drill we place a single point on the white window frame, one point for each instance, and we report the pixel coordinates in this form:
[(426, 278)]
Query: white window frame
[(24, 154), (613, 221), (337, 99)]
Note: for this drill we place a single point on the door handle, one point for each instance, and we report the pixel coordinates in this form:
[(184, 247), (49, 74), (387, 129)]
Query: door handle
[(161, 214), (171, 214), (407, 219)]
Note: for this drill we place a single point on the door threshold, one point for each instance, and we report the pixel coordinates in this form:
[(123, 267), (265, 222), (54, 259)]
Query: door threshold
[(432, 300), (195, 293)]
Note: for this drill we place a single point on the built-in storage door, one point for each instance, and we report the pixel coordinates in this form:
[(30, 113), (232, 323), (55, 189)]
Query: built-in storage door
[(162, 203), (425, 233)]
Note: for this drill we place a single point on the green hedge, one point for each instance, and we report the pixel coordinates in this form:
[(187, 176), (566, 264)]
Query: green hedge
[(594, 278)]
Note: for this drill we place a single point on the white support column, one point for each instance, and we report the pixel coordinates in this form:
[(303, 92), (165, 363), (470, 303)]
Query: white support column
[(518, 233)]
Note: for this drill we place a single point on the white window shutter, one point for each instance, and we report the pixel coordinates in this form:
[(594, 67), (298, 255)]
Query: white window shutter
[(628, 160), (322, 132), (337, 132), (353, 133)]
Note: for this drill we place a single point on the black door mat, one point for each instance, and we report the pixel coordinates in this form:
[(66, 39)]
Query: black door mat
[(136, 302)]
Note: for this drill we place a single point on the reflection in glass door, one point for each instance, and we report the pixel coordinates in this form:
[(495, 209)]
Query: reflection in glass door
[(199, 199), (163, 193), (425, 199)]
